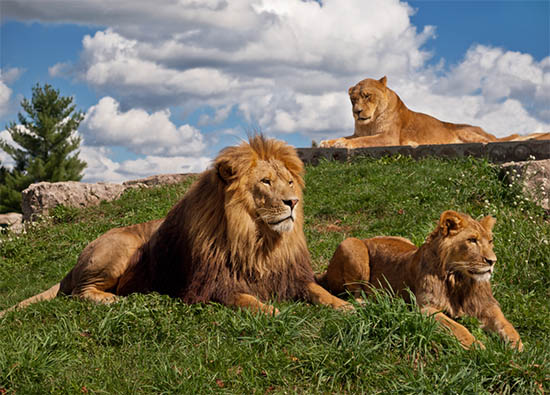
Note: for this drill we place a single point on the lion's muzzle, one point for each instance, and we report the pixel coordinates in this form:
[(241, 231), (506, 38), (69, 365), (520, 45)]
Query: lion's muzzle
[(284, 221)]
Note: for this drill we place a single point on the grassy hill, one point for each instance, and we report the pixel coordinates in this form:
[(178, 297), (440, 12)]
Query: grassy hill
[(154, 344)]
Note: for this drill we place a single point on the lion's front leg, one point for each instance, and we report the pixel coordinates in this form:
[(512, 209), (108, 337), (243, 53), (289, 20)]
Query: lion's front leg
[(493, 319), (319, 295), (463, 335), (247, 301)]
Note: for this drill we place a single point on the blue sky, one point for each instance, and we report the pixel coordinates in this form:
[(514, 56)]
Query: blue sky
[(164, 86), (522, 26)]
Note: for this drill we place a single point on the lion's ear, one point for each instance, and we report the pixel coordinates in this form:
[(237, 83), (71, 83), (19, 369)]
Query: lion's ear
[(350, 89), (225, 172), (383, 80), (450, 223), (488, 222)]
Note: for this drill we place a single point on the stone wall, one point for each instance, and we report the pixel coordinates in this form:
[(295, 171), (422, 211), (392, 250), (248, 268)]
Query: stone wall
[(495, 152)]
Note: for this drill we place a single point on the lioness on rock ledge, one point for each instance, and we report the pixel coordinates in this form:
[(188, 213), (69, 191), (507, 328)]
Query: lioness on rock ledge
[(449, 273), (382, 119), (236, 237)]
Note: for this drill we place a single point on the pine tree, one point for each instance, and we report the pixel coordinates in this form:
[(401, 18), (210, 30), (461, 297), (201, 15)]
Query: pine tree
[(47, 147)]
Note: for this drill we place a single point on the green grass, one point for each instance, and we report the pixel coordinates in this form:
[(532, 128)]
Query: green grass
[(155, 344)]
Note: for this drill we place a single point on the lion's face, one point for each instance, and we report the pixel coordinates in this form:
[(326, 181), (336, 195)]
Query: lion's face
[(368, 100), (467, 245), (275, 195), (262, 183)]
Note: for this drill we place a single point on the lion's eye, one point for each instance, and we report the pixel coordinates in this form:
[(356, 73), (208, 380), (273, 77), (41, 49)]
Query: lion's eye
[(291, 183), (472, 240), (266, 181)]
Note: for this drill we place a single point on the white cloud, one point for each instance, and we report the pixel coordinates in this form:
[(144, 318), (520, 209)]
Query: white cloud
[(151, 165), (498, 75), (273, 60), (111, 60), (10, 75), (98, 165), (511, 117), (142, 133), (163, 147), (5, 94), (284, 65), (298, 112), (101, 168), (501, 119), (5, 159), (219, 116), (7, 76), (504, 92), (59, 69)]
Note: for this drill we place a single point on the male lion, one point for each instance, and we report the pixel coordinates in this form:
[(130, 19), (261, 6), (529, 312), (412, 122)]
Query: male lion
[(235, 238), (382, 119), (450, 272)]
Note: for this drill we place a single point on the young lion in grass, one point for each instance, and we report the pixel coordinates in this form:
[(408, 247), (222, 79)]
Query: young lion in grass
[(449, 273)]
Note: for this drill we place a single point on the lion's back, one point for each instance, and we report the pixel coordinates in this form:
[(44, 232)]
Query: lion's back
[(423, 129), (388, 257)]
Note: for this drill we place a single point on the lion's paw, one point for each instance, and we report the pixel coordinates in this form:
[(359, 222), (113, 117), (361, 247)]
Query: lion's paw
[(479, 344), (336, 143), (345, 306), (518, 345), (269, 310), (342, 142), (468, 341)]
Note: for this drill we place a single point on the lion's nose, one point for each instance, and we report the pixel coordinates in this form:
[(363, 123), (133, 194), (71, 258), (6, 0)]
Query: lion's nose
[(291, 202), (489, 261)]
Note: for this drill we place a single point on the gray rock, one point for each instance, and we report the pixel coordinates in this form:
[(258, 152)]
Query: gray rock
[(534, 177), (161, 179), (12, 221), (40, 198)]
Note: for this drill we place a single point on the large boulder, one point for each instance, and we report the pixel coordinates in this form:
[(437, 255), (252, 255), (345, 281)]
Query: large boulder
[(534, 177), (40, 198)]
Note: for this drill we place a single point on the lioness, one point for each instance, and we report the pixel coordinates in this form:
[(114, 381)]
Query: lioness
[(236, 238), (382, 119), (449, 273)]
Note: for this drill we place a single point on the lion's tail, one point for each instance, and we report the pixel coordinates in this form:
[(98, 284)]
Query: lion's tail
[(46, 295)]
